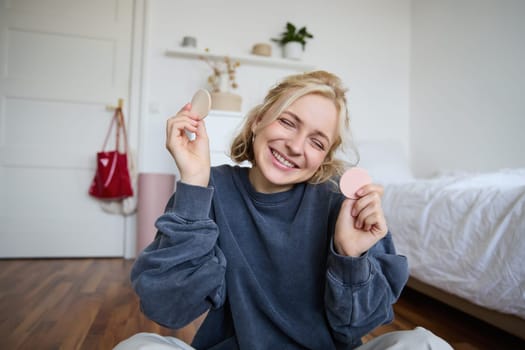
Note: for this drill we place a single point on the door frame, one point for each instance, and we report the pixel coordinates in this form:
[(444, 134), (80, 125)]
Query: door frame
[(137, 109)]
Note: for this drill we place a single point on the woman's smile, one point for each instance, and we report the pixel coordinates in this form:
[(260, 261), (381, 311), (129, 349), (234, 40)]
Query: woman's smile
[(282, 161)]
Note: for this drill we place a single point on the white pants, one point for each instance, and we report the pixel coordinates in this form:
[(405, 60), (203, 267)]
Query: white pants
[(152, 341), (416, 339)]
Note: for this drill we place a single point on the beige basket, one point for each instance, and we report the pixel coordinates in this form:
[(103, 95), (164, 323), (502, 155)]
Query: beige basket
[(262, 49)]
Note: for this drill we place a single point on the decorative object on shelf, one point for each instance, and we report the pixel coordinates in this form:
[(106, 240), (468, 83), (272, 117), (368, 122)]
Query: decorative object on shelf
[(248, 59), (223, 76), (293, 50), (222, 81), (262, 49), (293, 41), (189, 41)]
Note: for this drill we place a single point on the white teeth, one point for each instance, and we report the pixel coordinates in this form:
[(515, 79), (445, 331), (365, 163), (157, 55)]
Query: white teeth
[(282, 160)]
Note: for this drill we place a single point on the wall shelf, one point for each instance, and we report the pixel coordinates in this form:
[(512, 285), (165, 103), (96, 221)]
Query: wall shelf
[(243, 59)]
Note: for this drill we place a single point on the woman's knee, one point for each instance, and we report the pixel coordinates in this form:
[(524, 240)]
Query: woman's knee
[(416, 339), (429, 340)]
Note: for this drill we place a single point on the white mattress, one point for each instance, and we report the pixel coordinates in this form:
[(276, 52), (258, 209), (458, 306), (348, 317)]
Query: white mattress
[(464, 233)]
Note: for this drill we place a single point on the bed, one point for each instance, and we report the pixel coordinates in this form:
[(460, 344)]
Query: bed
[(463, 234)]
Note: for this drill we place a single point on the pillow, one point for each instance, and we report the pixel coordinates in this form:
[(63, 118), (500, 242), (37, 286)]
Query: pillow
[(385, 161)]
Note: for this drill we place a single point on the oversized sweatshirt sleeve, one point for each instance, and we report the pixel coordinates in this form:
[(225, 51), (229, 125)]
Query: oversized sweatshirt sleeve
[(360, 291), (180, 275)]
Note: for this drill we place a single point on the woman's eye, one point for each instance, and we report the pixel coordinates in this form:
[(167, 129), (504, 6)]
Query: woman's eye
[(318, 144), (286, 122)]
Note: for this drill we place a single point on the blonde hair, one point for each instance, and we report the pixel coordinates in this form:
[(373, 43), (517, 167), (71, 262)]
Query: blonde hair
[(281, 97)]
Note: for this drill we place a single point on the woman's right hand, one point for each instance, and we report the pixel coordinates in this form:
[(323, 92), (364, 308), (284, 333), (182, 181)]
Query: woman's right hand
[(192, 157)]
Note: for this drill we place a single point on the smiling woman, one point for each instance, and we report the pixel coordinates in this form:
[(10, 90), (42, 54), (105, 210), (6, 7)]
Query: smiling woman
[(316, 87), (274, 249), (291, 148)]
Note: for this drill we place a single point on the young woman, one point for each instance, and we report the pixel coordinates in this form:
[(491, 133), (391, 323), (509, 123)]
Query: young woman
[(272, 255)]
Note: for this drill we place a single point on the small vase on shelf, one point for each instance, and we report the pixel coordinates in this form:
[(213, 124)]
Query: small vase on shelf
[(293, 50)]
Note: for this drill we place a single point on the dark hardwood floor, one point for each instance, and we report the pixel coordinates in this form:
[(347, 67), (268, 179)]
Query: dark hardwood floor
[(89, 304)]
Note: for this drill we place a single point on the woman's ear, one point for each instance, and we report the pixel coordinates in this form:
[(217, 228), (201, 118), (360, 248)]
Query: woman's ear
[(255, 124)]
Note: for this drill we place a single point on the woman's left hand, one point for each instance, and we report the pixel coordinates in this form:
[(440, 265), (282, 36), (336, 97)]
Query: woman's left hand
[(361, 223)]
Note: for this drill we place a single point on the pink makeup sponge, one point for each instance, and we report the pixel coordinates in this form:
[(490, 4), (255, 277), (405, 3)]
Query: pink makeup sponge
[(201, 103), (352, 180)]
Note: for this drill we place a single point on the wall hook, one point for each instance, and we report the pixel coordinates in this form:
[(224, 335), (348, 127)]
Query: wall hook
[(119, 105)]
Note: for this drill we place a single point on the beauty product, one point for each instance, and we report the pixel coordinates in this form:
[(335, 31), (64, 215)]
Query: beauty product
[(352, 180), (201, 103)]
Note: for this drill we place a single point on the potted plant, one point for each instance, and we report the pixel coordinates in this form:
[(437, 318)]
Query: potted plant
[(293, 41)]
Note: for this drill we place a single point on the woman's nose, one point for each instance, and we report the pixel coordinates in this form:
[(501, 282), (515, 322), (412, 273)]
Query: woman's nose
[(295, 145)]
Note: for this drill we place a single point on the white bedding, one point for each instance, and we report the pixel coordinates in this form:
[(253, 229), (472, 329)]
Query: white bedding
[(464, 233)]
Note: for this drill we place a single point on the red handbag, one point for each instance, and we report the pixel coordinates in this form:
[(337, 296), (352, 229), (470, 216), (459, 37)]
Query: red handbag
[(112, 180)]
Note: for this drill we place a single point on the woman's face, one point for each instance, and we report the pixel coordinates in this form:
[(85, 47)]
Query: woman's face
[(290, 149)]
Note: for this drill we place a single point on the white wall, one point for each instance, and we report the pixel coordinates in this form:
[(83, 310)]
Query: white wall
[(367, 43), (467, 85)]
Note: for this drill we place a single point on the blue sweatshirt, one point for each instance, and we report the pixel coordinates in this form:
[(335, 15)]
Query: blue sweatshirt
[(265, 268)]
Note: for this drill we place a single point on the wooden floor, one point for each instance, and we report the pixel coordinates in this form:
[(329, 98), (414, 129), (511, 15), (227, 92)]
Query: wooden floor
[(88, 304)]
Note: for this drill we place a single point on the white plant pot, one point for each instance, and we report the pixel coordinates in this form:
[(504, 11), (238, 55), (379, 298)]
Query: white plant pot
[(293, 50)]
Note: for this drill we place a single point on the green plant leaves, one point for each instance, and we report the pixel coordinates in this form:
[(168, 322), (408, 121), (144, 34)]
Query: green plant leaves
[(292, 34)]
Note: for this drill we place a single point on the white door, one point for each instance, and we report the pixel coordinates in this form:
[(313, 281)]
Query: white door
[(61, 63)]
